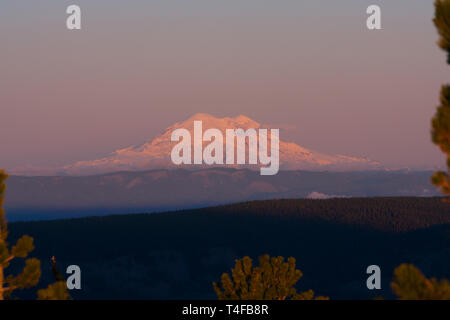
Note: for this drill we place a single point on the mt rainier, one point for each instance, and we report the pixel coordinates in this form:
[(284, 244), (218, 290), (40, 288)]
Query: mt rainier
[(155, 154)]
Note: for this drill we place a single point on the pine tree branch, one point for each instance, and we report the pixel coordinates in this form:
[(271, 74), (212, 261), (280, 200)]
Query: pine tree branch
[(10, 288)]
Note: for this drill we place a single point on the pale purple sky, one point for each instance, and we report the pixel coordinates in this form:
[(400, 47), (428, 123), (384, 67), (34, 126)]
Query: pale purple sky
[(309, 67)]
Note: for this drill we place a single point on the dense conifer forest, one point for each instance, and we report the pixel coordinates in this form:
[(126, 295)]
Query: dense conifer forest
[(179, 254)]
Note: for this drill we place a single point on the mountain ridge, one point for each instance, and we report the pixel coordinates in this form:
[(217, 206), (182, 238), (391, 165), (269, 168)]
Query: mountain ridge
[(155, 153)]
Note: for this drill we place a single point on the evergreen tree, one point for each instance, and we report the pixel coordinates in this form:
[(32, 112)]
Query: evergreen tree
[(31, 273), (410, 284), (57, 290), (273, 279), (441, 121)]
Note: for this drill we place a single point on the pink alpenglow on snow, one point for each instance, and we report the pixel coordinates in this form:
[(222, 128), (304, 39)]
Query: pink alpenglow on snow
[(157, 153), (214, 151)]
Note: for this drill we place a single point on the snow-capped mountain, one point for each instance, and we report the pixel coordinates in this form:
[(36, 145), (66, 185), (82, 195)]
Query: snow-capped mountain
[(155, 154)]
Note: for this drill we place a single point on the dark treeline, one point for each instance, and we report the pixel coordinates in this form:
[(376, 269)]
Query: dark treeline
[(179, 254)]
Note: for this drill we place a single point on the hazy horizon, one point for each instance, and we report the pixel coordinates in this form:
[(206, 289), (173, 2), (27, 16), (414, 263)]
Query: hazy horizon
[(310, 68)]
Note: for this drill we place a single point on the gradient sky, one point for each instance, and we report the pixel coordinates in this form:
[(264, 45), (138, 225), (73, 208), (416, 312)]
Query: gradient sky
[(310, 67)]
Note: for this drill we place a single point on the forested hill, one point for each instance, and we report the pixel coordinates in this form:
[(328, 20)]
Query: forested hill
[(178, 254), (391, 214)]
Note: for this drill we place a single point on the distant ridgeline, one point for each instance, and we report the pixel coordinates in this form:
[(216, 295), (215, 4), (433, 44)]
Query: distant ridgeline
[(179, 254), (35, 198)]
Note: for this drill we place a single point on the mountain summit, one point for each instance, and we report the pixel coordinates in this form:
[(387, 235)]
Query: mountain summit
[(155, 154)]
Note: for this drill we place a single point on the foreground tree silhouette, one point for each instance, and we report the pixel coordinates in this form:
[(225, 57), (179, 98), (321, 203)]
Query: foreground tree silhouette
[(57, 290), (410, 284), (31, 273), (273, 279), (441, 121)]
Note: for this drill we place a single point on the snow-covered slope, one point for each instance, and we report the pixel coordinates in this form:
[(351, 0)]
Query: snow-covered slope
[(155, 154)]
